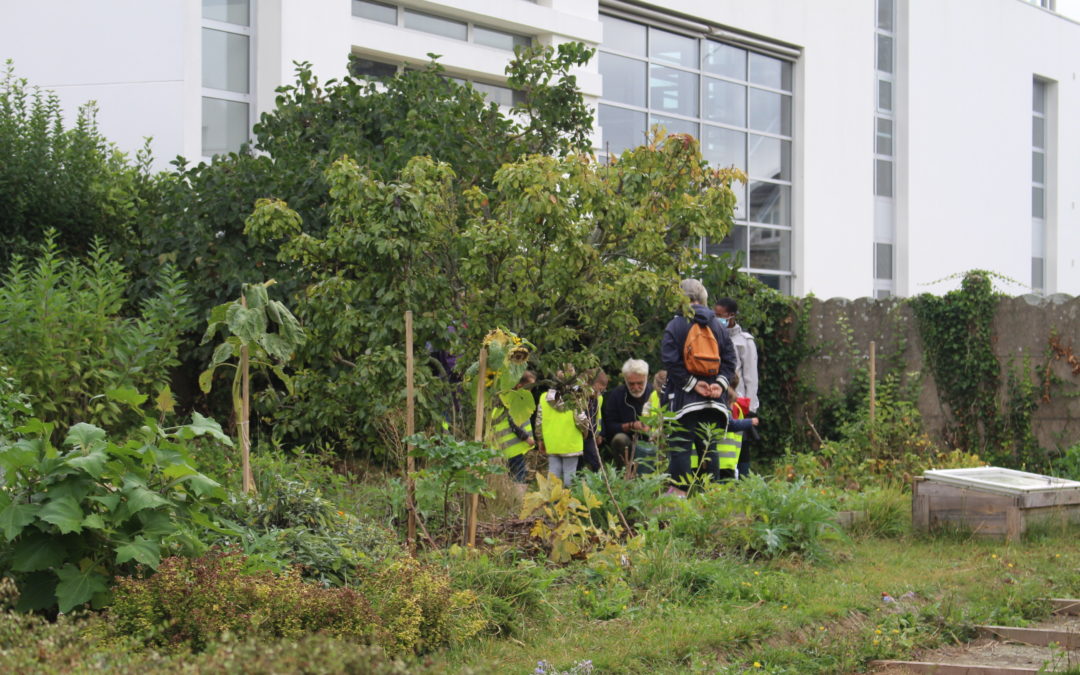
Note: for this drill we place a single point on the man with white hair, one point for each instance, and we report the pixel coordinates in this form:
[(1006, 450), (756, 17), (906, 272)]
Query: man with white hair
[(699, 372), (623, 407)]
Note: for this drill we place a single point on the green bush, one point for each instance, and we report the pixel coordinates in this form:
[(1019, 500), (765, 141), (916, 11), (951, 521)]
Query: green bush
[(65, 339), (193, 602), (881, 511), (756, 517), (75, 516), (14, 405), (639, 499), (510, 589)]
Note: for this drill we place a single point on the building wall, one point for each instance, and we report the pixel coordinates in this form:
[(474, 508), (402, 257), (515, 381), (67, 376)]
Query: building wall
[(138, 60)]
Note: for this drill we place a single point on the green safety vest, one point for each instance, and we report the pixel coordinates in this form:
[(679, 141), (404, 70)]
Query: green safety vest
[(505, 438), (561, 435)]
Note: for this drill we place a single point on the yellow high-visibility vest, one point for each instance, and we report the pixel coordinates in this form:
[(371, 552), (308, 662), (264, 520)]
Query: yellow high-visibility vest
[(505, 438), (561, 435)]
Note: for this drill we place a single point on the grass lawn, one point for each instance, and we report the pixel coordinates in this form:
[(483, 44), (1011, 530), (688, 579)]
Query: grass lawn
[(785, 617)]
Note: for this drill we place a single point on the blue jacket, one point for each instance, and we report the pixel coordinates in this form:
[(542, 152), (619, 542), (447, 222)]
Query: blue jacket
[(679, 394)]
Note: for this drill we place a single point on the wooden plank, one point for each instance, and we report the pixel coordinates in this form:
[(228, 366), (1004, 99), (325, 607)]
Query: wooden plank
[(954, 668), (1069, 606), (920, 506), (1042, 637), (1014, 523), (1064, 497)]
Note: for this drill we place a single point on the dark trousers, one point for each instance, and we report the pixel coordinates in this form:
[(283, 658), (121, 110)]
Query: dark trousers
[(692, 440)]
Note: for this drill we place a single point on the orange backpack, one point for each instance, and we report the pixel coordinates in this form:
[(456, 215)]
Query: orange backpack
[(701, 353)]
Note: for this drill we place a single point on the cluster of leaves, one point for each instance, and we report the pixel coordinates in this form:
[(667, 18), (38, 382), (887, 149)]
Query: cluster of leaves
[(563, 523), (190, 602), (957, 336), (758, 518), (455, 466), (65, 337), (68, 179), (14, 405), (74, 517)]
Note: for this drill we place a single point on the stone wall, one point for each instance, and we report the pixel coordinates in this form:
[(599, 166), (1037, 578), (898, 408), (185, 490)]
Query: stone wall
[(843, 329)]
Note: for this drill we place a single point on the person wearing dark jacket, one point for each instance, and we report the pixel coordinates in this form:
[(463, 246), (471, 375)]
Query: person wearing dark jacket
[(623, 407), (696, 400)]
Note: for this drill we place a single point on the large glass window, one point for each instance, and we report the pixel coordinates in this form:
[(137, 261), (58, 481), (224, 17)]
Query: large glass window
[(1038, 185), (226, 75), (736, 101), (455, 29), (884, 147)]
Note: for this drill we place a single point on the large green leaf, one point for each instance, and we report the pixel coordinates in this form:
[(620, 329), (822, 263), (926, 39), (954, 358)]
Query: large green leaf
[(222, 353), (126, 395), (247, 324), (139, 498), (21, 454), (78, 586), (201, 426), (64, 512), (92, 463), (75, 486), (110, 500), (519, 403), (38, 551), (34, 426), (83, 435), (204, 486), (179, 470), (15, 517), (141, 550), (156, 524)]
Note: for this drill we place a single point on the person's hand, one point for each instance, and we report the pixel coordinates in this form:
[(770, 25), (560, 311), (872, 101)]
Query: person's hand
[(715, 391), (531, 442), (703, 389), (753, 421)]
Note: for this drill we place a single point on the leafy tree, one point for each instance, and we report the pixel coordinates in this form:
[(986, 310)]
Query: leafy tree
[(68, 179), (561, 249)]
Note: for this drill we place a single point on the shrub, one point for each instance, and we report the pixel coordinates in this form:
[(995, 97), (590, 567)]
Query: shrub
[(509, 588), (638, 498), (419, 609), (14, 405), (192, 602), (65, 339), (757, 518), (75, 516)]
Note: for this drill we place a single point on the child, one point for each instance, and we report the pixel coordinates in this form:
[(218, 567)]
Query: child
[(514, 440), (593, 439), (737, 425), (558, 432)]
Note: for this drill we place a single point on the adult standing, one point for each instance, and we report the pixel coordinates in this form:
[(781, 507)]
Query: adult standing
[(623, 408), (746, 353), (696, 397)]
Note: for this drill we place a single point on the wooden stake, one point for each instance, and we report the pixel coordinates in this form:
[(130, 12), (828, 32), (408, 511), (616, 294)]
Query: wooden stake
[(873, 379), (478, 436), (410, 429), (247, 478)]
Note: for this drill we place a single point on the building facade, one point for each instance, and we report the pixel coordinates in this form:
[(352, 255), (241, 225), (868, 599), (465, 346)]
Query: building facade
[(889, 144)]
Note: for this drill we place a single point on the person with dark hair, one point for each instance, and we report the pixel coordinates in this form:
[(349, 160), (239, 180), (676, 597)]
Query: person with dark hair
[(746, 368), (700, 361)]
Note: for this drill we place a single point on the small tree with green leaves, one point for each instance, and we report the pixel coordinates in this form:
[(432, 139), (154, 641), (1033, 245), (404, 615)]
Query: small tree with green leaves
[(263, 334)]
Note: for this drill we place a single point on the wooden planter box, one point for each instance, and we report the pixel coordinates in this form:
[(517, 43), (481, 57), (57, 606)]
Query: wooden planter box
[(992, 501)]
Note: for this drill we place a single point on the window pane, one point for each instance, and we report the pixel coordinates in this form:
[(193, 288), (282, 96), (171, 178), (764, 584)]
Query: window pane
[(437, 25), (369, 69), (882, 294), (623, 36), (1038, 132), (674, 126), (673, 48), (1038, 96), (224, 126), (624, 79), (770, 203), (883, 178), (770, 112), (777, 282), (674, 91), (739, 188), (225, 61), (770, 72), (770, 249), (1038, 238), (621, 128), (724, 102), (883, 261), (493, 92), (1038, 167), (723, 147), (375, 11), (499, 39), (884, 53), (769, 158), (1038, 274), (885, 15), (1038, 203), (725, 60), (884, 95), (734, 243), (229, 11), (884, 145)]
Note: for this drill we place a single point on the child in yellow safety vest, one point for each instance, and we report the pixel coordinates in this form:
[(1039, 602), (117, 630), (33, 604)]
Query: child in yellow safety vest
[(514, 440), (559, 434)]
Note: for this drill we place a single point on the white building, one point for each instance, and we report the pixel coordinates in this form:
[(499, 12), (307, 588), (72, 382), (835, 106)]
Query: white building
[(889, 143)]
